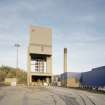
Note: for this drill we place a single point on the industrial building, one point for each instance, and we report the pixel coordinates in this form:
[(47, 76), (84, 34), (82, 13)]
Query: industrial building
[(91, 79), (94, 78), (70, 79), (40, 64), (39, 56)]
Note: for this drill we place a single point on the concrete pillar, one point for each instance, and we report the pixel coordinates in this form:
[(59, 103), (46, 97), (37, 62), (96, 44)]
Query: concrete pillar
[(29, 70), (47, 80), (49, 65), (65, 59)]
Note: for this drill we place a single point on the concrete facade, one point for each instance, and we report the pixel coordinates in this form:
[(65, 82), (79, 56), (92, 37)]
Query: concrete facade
[(10, 81), (40, 56), (73, 82)]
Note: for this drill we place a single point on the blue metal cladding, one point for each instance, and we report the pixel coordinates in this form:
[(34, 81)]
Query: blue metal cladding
[(94, 78), (64, 76), (68, 75)]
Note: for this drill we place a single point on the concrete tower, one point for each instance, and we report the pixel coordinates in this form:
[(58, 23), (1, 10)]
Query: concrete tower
[(39, 56), (65, 59)]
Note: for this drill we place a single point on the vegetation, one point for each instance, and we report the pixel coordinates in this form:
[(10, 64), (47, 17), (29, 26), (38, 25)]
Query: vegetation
[(10, 72)]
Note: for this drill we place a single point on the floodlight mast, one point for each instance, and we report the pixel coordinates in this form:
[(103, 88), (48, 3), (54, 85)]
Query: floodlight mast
[(17, 55)]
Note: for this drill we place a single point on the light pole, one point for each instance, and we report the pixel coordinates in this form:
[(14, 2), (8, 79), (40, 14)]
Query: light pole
[(17, 47)]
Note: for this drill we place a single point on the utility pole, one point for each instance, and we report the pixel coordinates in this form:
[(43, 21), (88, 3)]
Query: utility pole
[(17, 49)]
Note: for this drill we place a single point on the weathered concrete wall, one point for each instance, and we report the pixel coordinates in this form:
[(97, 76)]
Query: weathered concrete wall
[(40, 41), (40, 47), (73, 82)]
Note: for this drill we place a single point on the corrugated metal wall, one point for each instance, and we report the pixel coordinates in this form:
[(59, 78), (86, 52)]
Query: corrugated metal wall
[(94, 78)]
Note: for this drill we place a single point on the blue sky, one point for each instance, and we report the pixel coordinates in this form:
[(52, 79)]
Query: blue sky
[(76, 24)]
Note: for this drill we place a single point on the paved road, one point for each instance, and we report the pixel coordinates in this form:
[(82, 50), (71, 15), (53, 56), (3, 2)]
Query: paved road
[(48, 96)]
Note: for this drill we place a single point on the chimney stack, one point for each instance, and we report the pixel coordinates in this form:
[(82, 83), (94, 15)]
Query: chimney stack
[(65, 59)]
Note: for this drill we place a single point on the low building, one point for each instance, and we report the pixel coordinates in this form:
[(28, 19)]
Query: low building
[(10, 81), (70, 79), (73, 82)]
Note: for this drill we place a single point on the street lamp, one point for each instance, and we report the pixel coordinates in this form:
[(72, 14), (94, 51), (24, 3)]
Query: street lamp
[(17, 47)]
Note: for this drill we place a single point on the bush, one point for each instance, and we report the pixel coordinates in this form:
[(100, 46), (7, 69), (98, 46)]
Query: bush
[(9, 72)]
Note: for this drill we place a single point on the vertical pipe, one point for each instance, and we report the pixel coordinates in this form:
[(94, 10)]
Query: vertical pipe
[(65, 66), (65, 59)]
